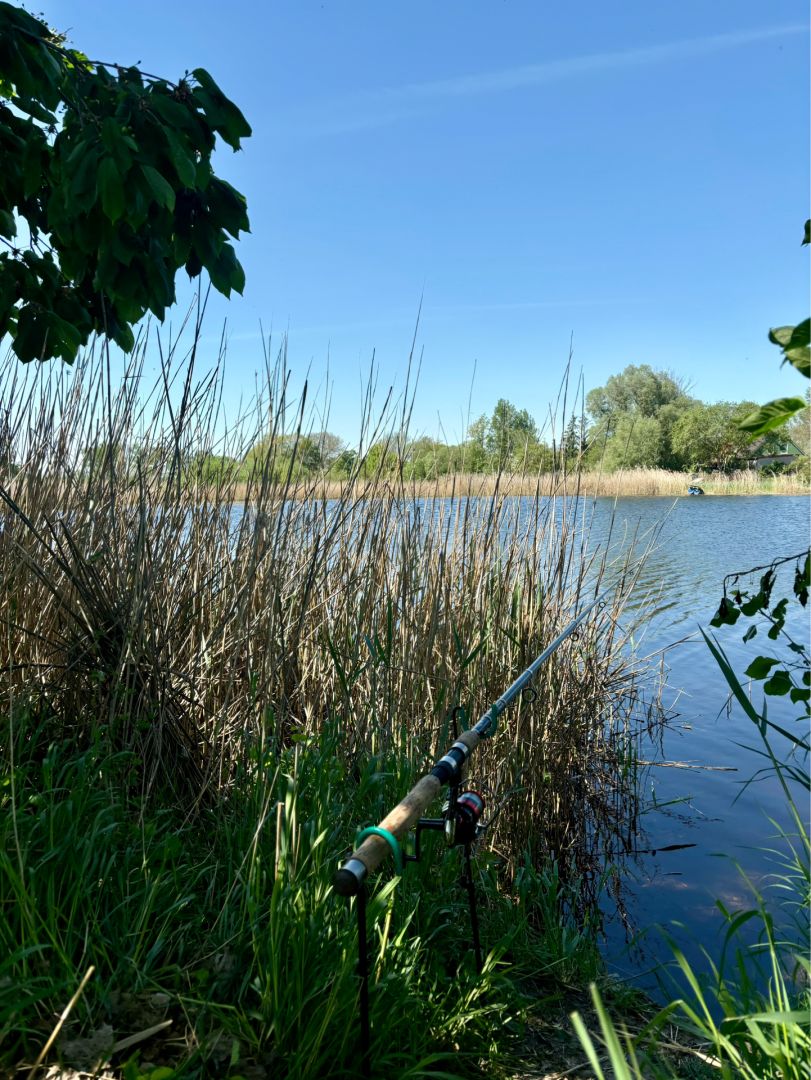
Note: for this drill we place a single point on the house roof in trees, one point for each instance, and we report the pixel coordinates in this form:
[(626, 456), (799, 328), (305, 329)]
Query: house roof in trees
[(770, 448)]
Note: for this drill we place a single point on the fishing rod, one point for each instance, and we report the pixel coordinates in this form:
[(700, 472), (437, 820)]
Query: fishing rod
[(461, 821), (366, 858)]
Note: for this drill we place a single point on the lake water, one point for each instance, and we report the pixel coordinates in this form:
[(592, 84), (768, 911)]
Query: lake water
[(702, 540), (697, 542)]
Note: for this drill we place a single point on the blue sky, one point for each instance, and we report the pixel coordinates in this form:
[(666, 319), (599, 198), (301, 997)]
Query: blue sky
[(631, 177)]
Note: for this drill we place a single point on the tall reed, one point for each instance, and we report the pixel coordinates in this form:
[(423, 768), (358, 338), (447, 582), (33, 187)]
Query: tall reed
[(193, 640), (148, 608)]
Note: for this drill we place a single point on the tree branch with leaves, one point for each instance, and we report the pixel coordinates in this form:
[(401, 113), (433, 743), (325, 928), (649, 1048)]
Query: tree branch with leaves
[(794, 342), (106, 191)]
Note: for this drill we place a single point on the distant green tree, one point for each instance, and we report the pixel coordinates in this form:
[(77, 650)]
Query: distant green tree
[(344, 465), (308, 454), (476, 457), (539, 458), (330, 446), (635, 443), (510, 432), (421, 459), (637, 393), (380, 460), (94, 459), (508, 438), (213, 468), (575, 439), (428, 458), (667, 416), (638, 390), (106, 191), (710, 435)]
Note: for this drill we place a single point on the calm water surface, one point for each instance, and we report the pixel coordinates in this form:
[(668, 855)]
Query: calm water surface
[(701, 540)]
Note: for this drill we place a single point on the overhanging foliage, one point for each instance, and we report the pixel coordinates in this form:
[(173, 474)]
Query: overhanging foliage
[(106, 191)]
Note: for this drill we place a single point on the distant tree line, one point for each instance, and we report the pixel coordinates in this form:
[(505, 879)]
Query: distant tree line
[(641, 418)]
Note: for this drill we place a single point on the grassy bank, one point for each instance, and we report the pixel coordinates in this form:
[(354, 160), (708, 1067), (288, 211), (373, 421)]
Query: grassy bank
[(222, 926), (203, 703)]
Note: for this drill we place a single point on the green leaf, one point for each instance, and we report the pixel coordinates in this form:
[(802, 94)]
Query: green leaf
[(726, 615), (798, 694), (772, 415), (181, 160), (760, 667), (800, 359), (779, 684), (35, 158), (111, 189), (84, 176), (801, 335), (34, 108), (161, 188), (193, 264), (227, 206), (225, 272), (802, 581), (31, 336), (123, 336), (781, 335), (794, 340), (779, 610), (753, 605), (172, 113), (118, 145), (8, 226), (807, 232), (222, 114)]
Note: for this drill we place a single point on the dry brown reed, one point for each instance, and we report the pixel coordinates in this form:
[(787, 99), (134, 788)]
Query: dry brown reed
[(186, 624), (619, 484)]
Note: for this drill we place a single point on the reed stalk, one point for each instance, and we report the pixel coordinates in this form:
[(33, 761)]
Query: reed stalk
[(190, 642)]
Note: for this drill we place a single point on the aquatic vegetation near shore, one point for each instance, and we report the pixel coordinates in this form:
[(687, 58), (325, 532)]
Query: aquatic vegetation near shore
[(648, 483)]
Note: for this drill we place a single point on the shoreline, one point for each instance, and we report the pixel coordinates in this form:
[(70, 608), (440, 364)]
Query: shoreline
[(631, 483)]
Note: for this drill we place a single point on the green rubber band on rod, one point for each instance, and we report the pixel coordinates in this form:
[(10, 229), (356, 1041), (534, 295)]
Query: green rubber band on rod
[(391, 840), (494, 726)]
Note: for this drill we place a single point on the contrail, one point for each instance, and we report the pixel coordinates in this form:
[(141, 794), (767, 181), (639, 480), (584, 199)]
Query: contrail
[(375, 108)]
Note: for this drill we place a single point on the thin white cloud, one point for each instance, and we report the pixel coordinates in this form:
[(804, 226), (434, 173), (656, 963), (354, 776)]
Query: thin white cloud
[(375, 108)]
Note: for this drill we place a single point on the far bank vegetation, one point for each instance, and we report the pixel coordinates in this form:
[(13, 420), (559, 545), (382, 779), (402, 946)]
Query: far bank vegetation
[(640, 434)]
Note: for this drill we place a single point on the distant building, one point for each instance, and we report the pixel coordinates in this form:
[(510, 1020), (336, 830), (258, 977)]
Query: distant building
[(773, 451)]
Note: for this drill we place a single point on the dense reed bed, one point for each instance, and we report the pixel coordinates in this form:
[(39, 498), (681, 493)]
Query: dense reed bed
[(208, 687), (622, 483)]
